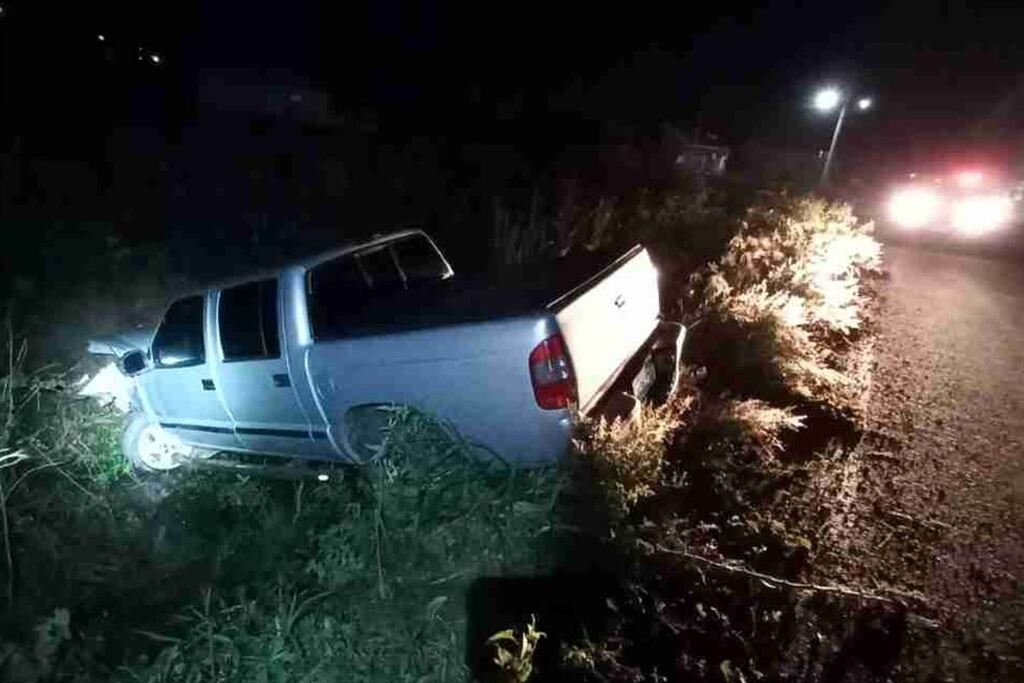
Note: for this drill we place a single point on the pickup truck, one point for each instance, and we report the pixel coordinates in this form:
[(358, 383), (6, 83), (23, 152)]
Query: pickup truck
[(298, 362)]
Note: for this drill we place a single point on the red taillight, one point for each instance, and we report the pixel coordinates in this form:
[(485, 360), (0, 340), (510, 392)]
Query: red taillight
[(554, 384)]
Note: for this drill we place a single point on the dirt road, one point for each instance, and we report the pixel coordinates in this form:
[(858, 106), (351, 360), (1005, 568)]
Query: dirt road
[(940, 509)]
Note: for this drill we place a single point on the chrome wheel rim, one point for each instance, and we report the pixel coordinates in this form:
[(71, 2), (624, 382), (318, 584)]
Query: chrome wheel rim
[(160, 450)]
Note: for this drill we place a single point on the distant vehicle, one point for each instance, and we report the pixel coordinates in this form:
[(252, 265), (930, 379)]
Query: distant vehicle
[(299, 363), (969, 204)]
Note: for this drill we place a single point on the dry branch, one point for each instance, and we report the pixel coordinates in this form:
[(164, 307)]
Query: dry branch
[(929, 523), (778, 581)]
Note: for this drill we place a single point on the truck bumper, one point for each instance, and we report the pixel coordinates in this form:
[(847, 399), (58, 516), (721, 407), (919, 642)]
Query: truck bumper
[(650, 375)]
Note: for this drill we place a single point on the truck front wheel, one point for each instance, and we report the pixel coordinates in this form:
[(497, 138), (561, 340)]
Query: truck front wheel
[(150, 448)]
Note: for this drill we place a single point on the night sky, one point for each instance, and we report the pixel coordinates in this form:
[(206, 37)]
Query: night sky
[(948, 78)]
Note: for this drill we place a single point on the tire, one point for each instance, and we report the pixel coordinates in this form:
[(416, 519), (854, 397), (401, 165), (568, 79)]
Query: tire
[(149, 448)]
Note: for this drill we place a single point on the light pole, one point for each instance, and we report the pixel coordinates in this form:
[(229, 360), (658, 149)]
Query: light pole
[(828, 99)]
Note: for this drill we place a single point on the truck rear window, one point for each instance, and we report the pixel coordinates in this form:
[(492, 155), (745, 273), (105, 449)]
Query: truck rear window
[(247, 320), (419, 260), (363, 290)]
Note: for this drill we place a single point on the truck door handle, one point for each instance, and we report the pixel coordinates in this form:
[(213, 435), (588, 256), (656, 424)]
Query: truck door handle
[(281, 380), (620, 301), (208, 385)]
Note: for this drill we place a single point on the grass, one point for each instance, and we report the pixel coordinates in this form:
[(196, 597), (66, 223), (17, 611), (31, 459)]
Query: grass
[(212, 576)]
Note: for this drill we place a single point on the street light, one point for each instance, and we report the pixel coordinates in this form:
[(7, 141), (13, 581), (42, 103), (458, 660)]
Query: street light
[(826, 100)]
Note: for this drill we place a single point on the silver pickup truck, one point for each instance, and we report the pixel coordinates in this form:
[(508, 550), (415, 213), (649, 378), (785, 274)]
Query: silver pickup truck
[(299, 362)]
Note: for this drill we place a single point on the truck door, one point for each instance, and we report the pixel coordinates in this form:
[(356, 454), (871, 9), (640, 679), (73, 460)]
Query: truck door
[(180, 391), (351, 301), (253, 374)]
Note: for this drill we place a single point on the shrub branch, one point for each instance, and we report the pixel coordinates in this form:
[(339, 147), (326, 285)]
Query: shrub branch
[(7, 543), (777, 581)]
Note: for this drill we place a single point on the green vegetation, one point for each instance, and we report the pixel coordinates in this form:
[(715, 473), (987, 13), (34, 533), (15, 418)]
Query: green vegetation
[(211, 576), (691, 528)]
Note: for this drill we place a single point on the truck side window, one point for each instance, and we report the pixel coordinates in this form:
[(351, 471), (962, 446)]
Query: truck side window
[(247, 320), (353, 292), (419, 260), (179, 341), (336, 292)]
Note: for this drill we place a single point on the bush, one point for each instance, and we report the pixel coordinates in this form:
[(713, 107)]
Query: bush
[(757, 344), (626, 456), (809, 251), (718, 494), (757, 425), (773, 311)]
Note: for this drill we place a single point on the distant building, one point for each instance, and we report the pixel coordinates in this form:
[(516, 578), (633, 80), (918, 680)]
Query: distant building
[(703, 159)]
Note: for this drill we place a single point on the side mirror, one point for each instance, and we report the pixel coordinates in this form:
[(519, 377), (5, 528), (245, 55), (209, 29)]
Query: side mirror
[(133, 362)]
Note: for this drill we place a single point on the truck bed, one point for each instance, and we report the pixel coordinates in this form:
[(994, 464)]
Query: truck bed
[(488, 295)]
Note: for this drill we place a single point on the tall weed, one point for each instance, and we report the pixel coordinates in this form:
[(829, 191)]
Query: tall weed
[(627, 455)]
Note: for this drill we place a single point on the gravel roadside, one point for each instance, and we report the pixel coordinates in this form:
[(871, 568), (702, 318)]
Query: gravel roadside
[(939, 507)]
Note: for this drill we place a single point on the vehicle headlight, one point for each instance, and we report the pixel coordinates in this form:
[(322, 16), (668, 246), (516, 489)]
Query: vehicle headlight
[(914, 207), (979, 214)]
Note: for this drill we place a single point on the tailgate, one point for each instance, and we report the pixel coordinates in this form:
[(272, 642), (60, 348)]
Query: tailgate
[(607, 319)]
